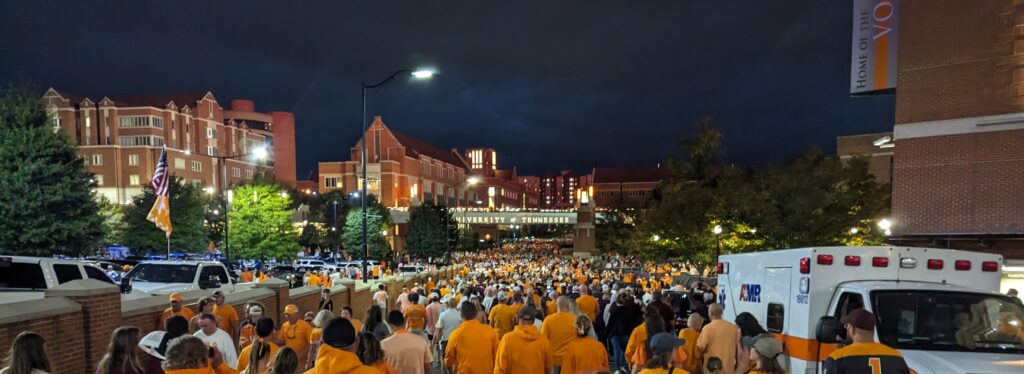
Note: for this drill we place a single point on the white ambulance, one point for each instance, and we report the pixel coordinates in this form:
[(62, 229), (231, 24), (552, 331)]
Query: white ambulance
[(939, 307)]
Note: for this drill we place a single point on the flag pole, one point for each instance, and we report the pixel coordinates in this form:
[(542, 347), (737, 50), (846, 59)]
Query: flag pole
[(168, 246)]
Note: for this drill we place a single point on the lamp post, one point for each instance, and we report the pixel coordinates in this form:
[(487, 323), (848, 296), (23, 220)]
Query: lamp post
[(717, 230), (447, 225), (258, 154), (418, 74)]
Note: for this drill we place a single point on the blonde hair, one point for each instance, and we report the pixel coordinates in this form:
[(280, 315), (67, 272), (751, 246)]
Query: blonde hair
[(121, 354), (185, 352), (285, 361), (695, 321), (583, 325), (321, 318)]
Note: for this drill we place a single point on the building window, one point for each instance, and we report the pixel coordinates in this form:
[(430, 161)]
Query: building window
[(97, 160), (179, 163), (55, 119), (133, 160), (236, 172), (135, 121), (99, 179), (133, 180), (141, 141), (331, 182), (197, 166), (211, 151), (248, 173), (211, 133), (158, 122), (197, 183)]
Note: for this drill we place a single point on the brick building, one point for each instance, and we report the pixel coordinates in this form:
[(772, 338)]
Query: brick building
[(500, 188), (626, 188), (562, 191), (958, 168), (401, 170), (120, 139), (877, 147)]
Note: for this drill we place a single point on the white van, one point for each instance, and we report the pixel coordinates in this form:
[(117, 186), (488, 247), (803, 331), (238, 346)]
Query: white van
[(940, 308), (26, 278), (167, 277)]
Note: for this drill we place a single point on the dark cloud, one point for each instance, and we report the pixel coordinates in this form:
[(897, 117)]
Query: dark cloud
[(551, 85)]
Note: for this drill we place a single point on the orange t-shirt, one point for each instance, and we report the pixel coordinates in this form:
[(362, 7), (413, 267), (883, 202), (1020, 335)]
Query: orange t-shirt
[(415, 317)]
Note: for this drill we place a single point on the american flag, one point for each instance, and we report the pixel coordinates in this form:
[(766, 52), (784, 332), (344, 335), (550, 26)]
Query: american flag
[(160, 176)]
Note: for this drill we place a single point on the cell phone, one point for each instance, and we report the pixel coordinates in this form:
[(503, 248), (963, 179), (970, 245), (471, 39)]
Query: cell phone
[(210, 351)]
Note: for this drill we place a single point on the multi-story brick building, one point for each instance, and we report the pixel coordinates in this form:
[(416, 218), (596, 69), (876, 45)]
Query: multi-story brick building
[(626, 188), (120, 139), (876, 147), (401, 170), (562, 191), (958, 167), (499, 188)]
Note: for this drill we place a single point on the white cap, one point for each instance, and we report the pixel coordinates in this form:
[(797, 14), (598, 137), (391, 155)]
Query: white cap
[(150, 342)]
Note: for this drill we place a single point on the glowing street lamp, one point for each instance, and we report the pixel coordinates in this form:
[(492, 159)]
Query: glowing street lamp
[(884, 224)]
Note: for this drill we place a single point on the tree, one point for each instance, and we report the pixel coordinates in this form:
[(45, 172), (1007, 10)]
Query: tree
[(113, 221), (187, 212), (615, 230), (453, 227), (426, 236), (213, 219), (378, 219), (261, 223), (47, 204), (320, 230)]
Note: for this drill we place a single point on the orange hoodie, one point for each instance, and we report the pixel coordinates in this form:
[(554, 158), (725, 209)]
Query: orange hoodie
[(585, 355), (471, 348), (560, 329), (330, 360), (524, 350), (636, 339)]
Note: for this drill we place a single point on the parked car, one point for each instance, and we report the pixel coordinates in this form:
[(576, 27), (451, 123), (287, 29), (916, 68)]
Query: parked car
[(167, 277), (26, 278), (289, 274)]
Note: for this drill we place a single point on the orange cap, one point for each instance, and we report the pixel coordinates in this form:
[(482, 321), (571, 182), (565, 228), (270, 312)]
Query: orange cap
[(176, 297), (291, 309)]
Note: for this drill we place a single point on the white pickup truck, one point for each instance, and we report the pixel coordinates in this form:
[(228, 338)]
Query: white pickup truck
[(26, 278), (167, 277)]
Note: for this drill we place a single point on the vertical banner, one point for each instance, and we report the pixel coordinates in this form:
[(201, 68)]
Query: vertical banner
[(873, 52)]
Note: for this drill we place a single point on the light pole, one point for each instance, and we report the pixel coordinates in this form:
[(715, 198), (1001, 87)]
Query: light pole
[(259, 154), (418, 74), (717, 230), (447, 225)]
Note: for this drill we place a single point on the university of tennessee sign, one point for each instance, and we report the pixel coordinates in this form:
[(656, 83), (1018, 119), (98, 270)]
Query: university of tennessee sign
[(874, 50), (500, 218)]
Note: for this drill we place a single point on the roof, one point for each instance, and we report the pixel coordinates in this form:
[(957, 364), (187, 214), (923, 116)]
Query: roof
[(160, 101), (630, 175), (415, 147)]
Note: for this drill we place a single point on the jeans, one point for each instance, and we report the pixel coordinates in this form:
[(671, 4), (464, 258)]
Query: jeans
[(440, 354), (619, 351), (557, 369)]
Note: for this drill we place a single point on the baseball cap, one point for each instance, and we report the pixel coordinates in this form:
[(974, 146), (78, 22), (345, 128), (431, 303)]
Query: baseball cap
[(769, 348), (663, 342), (175, 297), (860, 319), (218, 293), (502, 296), (339, 333), (749, 341), (291, 309)]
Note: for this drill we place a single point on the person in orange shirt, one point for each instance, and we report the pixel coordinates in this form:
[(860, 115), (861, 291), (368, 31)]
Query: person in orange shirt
[(584, 354), (246, 276), (502, 316), (346, 313), (177, 309), (524, 350), (247, 333), (653, 324), (263, 353), (295, 332), (226, 314), (337, 354), (415, 315), (560, 329), (314, 280), (376, 272), (472, 346), (690, 335), (588, 304)]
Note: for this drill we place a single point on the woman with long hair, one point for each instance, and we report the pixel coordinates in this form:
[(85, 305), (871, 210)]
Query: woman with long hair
[(27, 355), (371, 354), (375, 323), (584, 354), (253, 358), (121, 356), (749, 328), (284, 362), (764, 357), (660, 356), (638, 346), (205, 306)]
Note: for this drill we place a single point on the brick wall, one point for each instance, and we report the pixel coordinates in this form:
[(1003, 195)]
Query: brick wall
[(61, 328)]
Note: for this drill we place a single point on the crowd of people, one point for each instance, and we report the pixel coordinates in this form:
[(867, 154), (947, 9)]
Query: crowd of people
[(520, 310)]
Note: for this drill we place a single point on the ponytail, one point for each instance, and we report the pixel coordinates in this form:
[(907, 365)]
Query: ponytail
[(259, 351)]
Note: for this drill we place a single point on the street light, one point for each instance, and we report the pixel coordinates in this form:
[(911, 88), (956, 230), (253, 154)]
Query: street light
[(717, 230), (447, 224), (884, 224), (259, 153), (418, 74), (853, 230)]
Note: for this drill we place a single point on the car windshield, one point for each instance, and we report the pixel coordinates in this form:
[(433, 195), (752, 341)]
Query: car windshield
[(163, 273), (949, 321)]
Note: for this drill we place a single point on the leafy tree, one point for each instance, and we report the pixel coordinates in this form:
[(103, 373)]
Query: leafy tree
[(213, 220), (319, 230), (261, 223), (113, 221), (616, 231), (426, 236), (187, 212), (47, 205), (378, 219)]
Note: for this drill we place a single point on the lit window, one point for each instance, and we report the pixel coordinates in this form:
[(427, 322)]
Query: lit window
[(133, 160), (248, 173), (99, 179), (97, 160), (197, 166), (211, 133), (179, 163), (236, 172), (133, 180), (211, 150), (331, 182)]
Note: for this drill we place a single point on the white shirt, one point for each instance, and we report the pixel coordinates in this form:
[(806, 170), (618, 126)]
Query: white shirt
[(488, 303), (381, 297), (447, 322), (224, 345)]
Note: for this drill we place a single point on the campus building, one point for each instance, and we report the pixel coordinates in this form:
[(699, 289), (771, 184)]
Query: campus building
[(500, 188), (120, 139), (877, 148), (626, 188)]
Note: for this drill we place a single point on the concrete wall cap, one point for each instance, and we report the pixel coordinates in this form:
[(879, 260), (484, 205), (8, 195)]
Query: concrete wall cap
[(347, 281), (272, 283), (302, 291), (83, 287), (34, 309)]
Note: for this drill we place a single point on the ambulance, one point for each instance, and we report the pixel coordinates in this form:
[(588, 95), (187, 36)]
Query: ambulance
[(940, 308)]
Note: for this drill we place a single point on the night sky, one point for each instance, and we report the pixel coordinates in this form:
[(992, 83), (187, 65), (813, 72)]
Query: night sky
[(552, 85)]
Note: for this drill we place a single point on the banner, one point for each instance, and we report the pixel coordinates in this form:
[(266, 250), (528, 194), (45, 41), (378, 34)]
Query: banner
[(874, 50)]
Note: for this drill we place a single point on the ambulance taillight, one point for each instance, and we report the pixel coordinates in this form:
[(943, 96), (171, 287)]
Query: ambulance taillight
[(805, 265), (824, 259), (962, 265), (880, 262), (989, 266), (852, 261), (722, 268), (935, 264)]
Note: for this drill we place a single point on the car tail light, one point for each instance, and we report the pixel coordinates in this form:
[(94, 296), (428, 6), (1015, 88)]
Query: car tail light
[(880, 262), (935, 264), (852, 261), (805, 265), (989, 266), (722, 269), (962, 265), (824, 259)]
